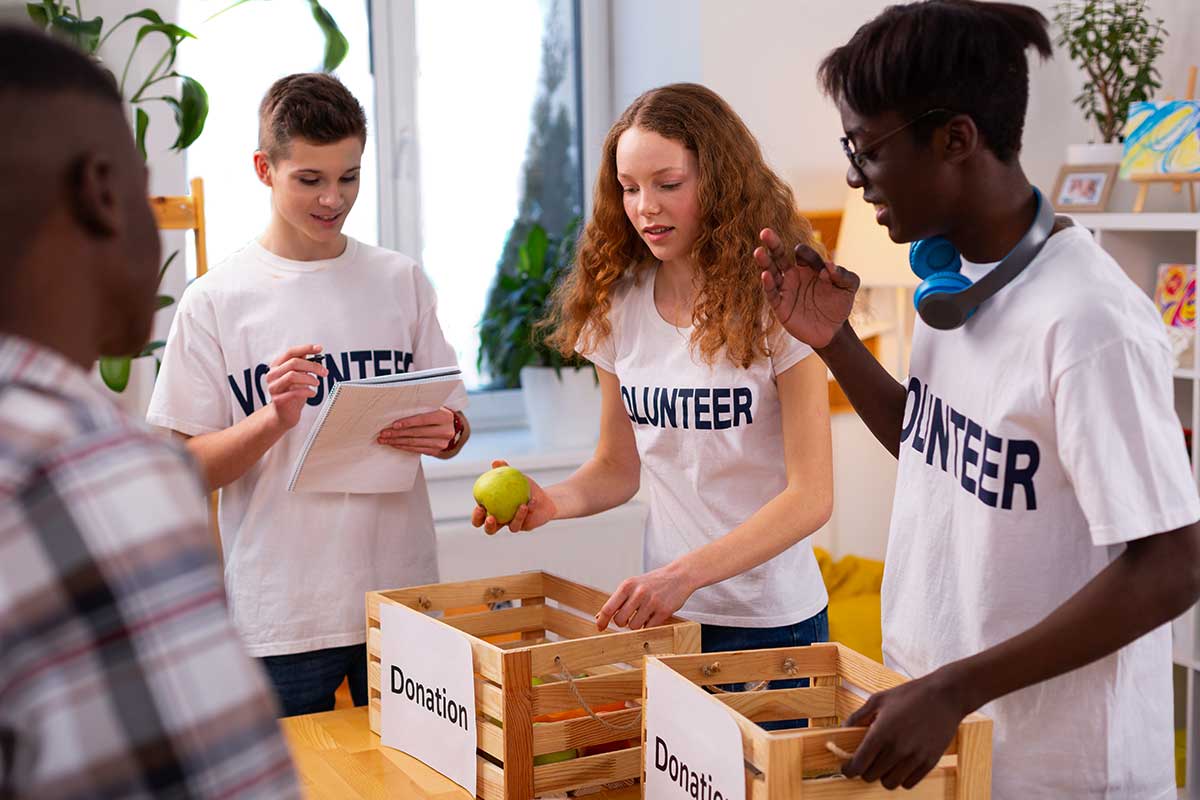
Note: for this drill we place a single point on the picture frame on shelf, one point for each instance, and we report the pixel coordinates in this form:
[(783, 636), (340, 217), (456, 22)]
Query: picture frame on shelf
[(1084, 187)]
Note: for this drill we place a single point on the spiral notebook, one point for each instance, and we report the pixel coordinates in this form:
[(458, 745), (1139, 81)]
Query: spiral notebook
[(342, 454)]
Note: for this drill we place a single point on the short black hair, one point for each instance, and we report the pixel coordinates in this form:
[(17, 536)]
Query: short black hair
[(33, 62), (962, 55)]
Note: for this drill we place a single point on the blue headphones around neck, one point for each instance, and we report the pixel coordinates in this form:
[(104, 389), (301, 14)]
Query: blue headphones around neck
[(946, 298)]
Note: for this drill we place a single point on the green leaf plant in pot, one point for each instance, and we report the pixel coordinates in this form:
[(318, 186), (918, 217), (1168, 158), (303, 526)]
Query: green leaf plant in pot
[(513, 351), (1116, 44), (185, 96), (189, 102)]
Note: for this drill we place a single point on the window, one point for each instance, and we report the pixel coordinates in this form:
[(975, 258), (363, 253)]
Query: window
[(237, 55), (473, 118), (479, 119)]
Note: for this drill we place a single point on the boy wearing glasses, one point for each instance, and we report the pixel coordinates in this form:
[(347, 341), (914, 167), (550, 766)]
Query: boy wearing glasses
[(1044, 527)]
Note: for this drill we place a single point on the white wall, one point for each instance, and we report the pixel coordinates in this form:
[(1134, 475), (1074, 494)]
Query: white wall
[(168, 170), (762, 57)]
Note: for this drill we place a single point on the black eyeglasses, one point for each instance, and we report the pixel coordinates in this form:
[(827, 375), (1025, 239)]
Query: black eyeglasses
[(858, 155)]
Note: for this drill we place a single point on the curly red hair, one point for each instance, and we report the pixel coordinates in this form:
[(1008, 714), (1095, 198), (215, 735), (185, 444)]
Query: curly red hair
[(738, 196)]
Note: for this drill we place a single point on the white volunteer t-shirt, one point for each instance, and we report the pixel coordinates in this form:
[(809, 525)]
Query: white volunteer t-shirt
[(1037, 439), (298, 565), (710, 440)]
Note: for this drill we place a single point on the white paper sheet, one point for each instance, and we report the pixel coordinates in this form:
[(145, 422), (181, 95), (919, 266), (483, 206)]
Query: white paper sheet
[(342, 453)]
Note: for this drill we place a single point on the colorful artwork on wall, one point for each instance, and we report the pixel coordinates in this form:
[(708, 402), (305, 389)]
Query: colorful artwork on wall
[(1162, 138)]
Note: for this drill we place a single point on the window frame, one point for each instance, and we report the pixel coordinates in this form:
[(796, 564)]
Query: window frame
[(394, 65)]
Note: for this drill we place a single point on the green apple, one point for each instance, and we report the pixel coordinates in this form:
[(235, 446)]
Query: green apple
[(554, 758), (502, 491)]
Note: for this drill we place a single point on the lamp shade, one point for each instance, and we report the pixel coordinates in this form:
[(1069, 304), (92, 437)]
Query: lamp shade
[(864, 247)]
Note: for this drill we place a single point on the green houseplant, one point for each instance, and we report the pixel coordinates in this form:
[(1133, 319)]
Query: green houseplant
[(1116, 42), (67, 21), (562, 407), (508, 336)]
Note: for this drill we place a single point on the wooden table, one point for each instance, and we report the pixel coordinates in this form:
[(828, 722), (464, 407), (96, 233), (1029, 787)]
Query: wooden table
[(338, 757)]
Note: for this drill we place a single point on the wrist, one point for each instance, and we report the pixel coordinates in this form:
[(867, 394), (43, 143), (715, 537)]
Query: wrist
[(958, 682), (684, 572), (840, 337), (456, 439), (271, 423)]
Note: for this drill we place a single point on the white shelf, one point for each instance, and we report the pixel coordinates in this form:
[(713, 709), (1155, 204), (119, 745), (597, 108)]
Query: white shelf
[(1152, 222), (1130, 239)]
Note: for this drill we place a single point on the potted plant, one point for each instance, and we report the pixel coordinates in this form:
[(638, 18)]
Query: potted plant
[(69, 22), (513, 349), (1116, 43)]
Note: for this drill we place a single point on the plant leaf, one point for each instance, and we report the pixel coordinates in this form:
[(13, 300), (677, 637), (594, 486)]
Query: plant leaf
[(114, 371), (537, 243), (149, 349), (143, 122), (84, 34), (191, 110), (336, 45), (166, 264), (39, 14), (174, 33), (146, 13), (227, 8), (162, 301)]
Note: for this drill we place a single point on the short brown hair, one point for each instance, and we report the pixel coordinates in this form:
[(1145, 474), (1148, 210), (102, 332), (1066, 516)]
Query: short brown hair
[(308, 105)]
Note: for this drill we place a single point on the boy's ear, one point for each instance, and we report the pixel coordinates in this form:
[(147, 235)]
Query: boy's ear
[(262, 168), (93, 197), (961, 138)]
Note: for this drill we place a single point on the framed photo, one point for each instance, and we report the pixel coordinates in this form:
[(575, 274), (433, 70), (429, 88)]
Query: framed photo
[(1084, 187)]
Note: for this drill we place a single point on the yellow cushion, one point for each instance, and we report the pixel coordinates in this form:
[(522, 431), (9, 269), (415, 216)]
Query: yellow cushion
[(1180, 758), (853, 585), (854, 621)]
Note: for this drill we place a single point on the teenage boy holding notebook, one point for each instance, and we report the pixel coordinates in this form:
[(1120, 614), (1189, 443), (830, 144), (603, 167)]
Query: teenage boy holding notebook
[(255, 347), (1044, 525)]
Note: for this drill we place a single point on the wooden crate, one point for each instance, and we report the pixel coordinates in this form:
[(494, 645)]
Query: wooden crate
[(797, 764), (557, 631)]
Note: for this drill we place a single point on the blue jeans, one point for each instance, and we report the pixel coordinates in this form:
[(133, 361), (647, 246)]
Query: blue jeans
[(305, 683), (720, 638)]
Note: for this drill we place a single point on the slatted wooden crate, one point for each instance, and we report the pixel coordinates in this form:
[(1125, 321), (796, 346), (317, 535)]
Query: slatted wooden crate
[(798, 764), (555, 634)]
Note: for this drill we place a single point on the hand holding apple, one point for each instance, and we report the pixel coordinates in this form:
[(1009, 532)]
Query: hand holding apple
[(505, 496)]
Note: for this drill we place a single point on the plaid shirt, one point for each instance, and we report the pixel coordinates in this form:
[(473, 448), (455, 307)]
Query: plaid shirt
[(120, 674)]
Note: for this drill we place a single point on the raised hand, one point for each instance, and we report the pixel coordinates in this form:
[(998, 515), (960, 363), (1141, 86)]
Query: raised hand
[(811, 297), (293, 379), (537, 512)]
